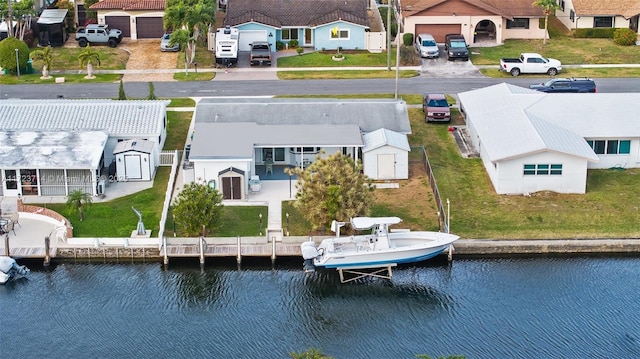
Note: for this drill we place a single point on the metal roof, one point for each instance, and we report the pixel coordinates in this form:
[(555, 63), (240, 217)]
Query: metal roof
[(513, 125), (52, 16), (51, 149), (116, 118), (238, 140), (383, 137), (141, 146), (368, 114)]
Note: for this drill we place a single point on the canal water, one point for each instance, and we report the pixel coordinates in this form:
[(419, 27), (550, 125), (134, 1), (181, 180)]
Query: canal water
[(481, 308)]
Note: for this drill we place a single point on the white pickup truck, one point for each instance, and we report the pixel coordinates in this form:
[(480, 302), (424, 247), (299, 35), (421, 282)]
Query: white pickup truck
[(530, 63)]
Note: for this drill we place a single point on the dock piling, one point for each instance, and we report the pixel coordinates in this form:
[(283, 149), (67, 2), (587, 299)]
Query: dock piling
[(239, 257), (201, 243), (47, 258), (6, 245)]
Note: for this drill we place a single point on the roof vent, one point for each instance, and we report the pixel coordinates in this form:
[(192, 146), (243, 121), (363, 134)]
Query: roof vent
[(47, 151), (134, 143)]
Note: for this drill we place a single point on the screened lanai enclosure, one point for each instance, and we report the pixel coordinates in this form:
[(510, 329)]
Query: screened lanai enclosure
[(51, 163)]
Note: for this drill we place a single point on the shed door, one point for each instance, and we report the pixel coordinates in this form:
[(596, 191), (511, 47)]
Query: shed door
[(231, 188), (132, 167), (121, 23), (149, 27), (386, 166)]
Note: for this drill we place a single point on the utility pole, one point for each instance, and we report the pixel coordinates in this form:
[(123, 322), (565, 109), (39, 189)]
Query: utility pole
[(389, 3)]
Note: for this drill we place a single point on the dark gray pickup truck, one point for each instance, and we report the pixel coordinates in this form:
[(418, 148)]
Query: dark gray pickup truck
[(260, 53)]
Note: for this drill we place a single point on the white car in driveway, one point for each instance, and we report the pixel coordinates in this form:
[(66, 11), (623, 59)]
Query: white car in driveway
[(164, 44)]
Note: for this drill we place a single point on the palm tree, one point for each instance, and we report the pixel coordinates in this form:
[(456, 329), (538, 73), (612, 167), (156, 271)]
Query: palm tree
[(182, 38), (45, 56), (192, 16), (547, 7), (89, 56), (76, 200)]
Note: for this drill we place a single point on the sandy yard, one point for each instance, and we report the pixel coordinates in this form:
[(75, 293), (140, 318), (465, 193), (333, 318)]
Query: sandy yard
[(146, 55)]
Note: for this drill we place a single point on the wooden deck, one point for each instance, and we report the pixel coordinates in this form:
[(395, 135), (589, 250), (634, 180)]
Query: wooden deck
[(29, 252)]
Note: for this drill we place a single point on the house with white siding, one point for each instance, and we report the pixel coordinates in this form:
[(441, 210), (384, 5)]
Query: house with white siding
[(239, 138), (52, 147), (531, 141)]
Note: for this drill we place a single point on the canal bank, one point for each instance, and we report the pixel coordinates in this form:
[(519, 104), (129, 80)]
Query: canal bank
[(289, 247)]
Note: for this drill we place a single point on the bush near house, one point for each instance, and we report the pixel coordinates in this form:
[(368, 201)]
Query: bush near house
[(599, 33), (407, 39), (624, 37)]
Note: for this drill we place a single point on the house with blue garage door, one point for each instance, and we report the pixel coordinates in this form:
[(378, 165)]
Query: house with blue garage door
[(319, 24), (532, 141)]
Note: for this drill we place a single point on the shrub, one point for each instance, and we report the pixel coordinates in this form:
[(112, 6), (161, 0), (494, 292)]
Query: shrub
[(293, 43), (279, 45), (299, 50), (624, 37), (598, 33), (407, 39), (409, 56), (8, 48)]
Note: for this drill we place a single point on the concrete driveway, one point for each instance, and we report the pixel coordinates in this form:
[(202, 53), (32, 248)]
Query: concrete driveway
[(443, 68)]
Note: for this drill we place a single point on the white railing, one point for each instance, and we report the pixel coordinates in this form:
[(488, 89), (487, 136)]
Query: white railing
[(167, 158), (167, 197)]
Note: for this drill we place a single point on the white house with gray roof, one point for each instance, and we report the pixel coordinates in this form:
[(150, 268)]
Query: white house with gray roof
[(235, 139), (52, 147), (531, 141)]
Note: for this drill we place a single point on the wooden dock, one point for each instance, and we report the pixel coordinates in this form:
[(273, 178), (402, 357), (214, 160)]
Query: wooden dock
[(231, 250)]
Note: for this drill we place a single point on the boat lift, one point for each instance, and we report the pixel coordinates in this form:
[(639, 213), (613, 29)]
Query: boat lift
[(349, 274)]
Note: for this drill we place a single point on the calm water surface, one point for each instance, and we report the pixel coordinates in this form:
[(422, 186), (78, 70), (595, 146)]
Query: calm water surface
[(495, 308)]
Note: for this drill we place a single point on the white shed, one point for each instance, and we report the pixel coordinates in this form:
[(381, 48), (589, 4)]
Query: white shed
[(135, 160), (385, 155)]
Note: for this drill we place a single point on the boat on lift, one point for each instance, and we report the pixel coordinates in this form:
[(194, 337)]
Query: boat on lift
[(381, 248), (11, 270)]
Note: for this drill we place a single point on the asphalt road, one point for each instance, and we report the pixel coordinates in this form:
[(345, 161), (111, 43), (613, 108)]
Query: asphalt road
[(420, 84)]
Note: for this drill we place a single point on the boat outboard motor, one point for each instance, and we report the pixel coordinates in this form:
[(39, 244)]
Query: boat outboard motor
[(309, 253)]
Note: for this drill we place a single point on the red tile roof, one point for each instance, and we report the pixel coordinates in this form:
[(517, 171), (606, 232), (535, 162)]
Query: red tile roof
[(129, 5)]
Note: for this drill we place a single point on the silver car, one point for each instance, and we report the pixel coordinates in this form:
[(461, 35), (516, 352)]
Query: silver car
[(164, 44)]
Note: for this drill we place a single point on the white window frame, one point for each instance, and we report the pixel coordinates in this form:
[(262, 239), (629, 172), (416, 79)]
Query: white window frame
[(346, 32)]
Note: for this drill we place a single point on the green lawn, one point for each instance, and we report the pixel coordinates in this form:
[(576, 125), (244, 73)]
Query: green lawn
[(177, 129), (324, 59), (68, 78)]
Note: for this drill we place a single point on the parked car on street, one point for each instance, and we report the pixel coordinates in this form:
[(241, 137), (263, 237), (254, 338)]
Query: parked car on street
[(164, 44), (530, 63), (580, 85), (436, 108)]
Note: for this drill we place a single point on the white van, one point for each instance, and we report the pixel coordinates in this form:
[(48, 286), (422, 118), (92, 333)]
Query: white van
[(426, 46)]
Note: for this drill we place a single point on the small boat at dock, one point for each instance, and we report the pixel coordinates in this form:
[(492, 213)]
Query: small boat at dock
[(381, 248), (11, 270)]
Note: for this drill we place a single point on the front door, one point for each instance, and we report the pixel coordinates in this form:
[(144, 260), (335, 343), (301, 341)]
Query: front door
[(308, 40), (231, 188), (11, 188)]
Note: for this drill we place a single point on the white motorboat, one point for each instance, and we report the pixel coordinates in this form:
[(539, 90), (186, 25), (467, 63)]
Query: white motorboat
[(10, 269), (381, 248)]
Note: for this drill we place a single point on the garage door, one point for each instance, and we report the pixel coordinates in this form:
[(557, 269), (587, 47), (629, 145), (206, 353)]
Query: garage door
[(121, 23), (149, 27), (249, 36), (438, 31)]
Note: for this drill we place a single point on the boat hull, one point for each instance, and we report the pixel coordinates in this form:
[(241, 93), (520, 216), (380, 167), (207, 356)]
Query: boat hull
[(358, 252)]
